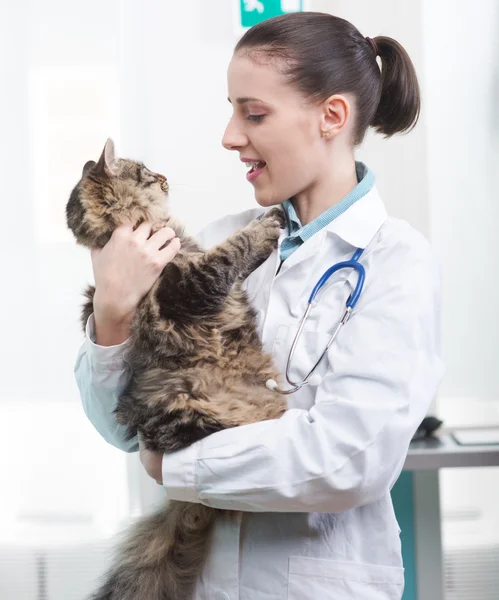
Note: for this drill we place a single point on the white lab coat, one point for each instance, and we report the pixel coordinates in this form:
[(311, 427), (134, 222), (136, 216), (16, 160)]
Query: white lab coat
[(317, 520)]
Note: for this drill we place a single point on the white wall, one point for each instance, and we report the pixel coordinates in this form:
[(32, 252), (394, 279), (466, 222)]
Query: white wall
[(64, 489), (42, 271), (461, 64), (461, 61)]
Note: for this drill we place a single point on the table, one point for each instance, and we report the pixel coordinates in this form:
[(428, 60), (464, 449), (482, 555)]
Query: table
[(416, 498)]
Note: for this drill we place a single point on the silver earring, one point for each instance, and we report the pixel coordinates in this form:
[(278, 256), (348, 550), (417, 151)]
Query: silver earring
[(325, 133)]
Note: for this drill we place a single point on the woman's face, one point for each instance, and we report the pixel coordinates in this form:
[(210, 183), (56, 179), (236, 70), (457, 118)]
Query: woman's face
[(274, 128)]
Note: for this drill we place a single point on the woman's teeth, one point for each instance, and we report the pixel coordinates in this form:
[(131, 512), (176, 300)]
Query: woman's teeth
[(257, 164)]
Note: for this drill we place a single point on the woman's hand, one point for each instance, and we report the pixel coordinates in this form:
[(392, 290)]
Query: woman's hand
[(124, 271), (152, 462)]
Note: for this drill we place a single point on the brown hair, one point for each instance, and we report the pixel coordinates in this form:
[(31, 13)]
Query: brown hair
[(325, 55)]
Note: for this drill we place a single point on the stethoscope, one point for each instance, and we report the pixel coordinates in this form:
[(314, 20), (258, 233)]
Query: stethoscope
[(312, 379)]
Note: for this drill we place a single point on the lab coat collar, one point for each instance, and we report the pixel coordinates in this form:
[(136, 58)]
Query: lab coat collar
[(359, 224)]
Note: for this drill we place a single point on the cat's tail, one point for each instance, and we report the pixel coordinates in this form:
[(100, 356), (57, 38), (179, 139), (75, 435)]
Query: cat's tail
[(88, 306), (162, 556)]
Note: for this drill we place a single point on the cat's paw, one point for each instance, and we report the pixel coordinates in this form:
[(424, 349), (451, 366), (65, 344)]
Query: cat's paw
[(276, 214), (264, 236), (271, 225), (267, 229)]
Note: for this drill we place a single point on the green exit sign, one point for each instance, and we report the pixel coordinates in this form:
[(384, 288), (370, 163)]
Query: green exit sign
[(255, 11)]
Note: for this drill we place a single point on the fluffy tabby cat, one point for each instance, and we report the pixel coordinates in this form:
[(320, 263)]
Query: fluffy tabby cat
[(197, 362)]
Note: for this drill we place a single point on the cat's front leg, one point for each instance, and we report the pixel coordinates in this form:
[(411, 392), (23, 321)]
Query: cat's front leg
[(240, 254), (244, 251), (262, 236), (200, 287)]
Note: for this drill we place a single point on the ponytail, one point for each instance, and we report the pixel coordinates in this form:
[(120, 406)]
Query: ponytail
[(400, 103)]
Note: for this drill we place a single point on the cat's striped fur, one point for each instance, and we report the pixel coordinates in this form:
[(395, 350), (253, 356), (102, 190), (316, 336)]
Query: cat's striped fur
[(196, 359)]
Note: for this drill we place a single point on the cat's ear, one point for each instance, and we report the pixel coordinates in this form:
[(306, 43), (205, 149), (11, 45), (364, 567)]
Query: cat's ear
[(88, 165), (107, 162)]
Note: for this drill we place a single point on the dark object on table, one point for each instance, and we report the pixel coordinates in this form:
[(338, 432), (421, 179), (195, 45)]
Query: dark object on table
[(427, 428)]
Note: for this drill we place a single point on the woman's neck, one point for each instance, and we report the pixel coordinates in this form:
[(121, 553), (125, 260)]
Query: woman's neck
[(327, 191)]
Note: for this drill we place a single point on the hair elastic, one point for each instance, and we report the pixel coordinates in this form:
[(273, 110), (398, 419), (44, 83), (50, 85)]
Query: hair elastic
[(373, 45)]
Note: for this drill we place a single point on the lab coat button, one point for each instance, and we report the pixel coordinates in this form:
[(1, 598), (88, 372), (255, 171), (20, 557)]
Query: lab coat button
[(222, 596)]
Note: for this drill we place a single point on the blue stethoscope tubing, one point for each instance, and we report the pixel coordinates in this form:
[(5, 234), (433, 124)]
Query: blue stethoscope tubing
[(353, 263)]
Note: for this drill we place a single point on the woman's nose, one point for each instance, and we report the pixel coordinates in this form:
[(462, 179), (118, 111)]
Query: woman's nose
[(233, 139)]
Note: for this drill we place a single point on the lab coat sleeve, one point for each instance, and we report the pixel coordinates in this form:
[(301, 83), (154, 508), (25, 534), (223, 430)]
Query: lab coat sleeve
[(101, 375), (349, 448)]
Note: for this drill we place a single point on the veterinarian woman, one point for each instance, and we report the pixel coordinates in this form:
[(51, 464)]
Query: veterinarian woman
[(313, 487)]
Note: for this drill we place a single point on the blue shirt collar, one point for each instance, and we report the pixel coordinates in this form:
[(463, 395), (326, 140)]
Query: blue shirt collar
[(365, 179), (297, 234)]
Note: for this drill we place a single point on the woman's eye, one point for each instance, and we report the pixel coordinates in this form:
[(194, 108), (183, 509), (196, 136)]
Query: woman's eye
[(256, 118)]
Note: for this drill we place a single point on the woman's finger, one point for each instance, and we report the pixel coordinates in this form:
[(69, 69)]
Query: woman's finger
[(143, 231), (168, 253), (159, 239)]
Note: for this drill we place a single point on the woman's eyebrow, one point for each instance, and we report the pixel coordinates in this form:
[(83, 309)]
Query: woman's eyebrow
[(245, 99)]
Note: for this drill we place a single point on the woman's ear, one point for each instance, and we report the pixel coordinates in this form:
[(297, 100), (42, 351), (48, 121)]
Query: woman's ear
[(335, 115)]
